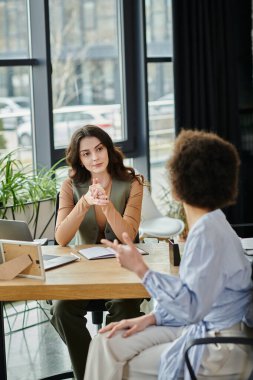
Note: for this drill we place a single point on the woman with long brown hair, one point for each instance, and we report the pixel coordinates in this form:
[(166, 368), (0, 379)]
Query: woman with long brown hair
[(101, 198)]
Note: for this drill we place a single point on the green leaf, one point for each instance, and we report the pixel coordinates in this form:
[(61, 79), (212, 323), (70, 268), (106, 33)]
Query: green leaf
[(20, 184)]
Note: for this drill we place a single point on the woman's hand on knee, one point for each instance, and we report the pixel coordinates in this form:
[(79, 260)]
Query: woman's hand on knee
[(130, 326)]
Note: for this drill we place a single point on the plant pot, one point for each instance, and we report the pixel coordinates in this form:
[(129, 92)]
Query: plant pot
[(39, 216)]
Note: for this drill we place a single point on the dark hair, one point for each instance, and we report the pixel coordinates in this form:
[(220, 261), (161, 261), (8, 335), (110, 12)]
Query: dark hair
[(116, 167), (204, 170)]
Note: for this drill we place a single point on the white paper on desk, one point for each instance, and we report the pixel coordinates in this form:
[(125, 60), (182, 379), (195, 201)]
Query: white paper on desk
[(94, 253), (247, 244), (97, 253)]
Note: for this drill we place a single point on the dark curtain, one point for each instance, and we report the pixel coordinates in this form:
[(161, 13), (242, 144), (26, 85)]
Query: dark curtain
[(205, 69), (212, 56)]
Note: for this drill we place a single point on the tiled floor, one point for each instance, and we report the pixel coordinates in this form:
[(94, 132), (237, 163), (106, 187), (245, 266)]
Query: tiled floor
[(37, 351)]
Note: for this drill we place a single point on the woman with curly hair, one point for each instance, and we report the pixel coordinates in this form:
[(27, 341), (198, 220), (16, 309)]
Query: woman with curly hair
[(101, 199), (212, 294)]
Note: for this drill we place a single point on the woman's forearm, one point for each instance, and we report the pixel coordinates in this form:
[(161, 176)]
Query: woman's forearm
[(68, 223), (120, 224)]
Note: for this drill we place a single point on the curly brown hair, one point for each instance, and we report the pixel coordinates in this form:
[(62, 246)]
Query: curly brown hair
[(204, 170), (116, 167)]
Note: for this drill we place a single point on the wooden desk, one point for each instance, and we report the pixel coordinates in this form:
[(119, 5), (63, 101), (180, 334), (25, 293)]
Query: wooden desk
[(86, 279)]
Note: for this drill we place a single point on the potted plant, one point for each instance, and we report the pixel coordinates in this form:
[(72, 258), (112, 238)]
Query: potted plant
[(28, 195)]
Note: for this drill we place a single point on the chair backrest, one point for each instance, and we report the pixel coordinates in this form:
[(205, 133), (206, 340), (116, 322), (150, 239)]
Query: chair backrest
[(217, 340), (149, 209)]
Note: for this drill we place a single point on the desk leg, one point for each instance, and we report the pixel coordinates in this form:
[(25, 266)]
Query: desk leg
[(3, 369)]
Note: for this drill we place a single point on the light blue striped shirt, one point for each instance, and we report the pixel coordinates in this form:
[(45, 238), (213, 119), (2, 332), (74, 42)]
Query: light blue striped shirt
[(213, 290)]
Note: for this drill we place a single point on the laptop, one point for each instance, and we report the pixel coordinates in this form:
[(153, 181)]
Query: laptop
[(18, 230), (55, 261)]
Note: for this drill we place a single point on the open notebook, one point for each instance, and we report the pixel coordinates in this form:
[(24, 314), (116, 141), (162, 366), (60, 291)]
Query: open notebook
[(94, 253)]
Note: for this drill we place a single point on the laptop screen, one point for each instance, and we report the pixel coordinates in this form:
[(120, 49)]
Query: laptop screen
[(15, 230)]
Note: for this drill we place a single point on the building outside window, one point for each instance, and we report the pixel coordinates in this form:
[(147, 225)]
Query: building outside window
[(86, 79), (15, 80), (86, 55)]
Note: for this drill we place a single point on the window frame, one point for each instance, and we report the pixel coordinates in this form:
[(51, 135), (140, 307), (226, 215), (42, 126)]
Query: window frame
[(134, 88)]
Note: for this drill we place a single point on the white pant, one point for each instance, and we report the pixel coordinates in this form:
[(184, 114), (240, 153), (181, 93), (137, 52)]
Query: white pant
[(138, 356)]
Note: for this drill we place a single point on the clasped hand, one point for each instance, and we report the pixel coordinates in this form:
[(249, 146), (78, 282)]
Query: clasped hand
[(96, 194)]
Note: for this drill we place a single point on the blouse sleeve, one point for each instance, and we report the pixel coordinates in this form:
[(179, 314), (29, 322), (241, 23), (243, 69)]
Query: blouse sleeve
[(189, 297), (131, 218), (69, 216)]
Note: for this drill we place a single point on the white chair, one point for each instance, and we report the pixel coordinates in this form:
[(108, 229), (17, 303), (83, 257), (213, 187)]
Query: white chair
[(154, 224)]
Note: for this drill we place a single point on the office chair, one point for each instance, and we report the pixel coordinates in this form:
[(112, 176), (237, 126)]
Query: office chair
[(60, 376), (17, 317), (217, 340), (154, 224)]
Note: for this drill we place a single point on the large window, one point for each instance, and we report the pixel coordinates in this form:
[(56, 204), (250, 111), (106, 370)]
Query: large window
[(80, 43), (86, 80), (64, 64), (15, 77), (14, 40), (160, 92)]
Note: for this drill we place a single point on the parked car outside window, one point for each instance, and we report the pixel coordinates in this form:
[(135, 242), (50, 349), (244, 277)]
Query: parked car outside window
[(162, 106), (66, 121), (13, 104), (12, 111)]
